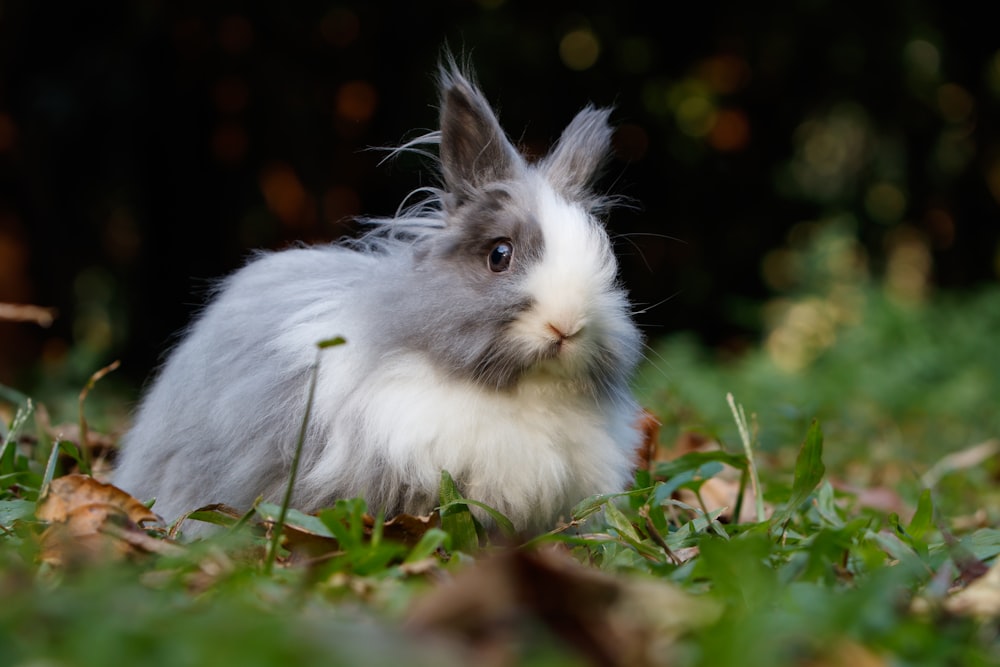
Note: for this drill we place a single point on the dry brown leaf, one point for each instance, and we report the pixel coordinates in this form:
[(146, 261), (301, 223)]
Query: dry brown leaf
[(65, 495), (847, 653), (981, 598), (969, 457), (80, 509), (405, 528), (491, 607), (305, 546), (881, 498), (648, 449)]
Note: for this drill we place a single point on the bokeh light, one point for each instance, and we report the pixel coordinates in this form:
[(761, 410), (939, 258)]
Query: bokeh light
[(922, 61), (579, 49), (955, 103), (356, 101), (283, 192), (885, 203), (830, 151), (730, 131), (724, 74)]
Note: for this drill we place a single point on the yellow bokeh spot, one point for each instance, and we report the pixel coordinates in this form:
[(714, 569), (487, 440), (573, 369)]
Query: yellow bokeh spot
[(696, 116), (579, 49), (885, 203), (922, 58)]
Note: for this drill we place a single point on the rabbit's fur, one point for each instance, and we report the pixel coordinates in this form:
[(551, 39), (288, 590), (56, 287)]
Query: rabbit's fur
[(513, 378)]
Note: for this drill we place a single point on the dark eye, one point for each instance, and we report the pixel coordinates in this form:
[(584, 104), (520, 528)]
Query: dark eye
[(500, 256)]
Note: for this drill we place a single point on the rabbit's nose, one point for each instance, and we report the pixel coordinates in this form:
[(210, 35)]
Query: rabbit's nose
[(564, 332)]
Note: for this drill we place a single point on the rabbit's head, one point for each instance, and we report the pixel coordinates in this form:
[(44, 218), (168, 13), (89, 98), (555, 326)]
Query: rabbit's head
[(516, 277)]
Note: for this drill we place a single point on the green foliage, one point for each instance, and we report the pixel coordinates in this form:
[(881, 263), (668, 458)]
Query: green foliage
[(869, 528)]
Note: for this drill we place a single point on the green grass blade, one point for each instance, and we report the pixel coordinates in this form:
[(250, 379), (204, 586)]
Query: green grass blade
[(809, 472), (923, 519), (8, 453), (272, 551), (456, 518)]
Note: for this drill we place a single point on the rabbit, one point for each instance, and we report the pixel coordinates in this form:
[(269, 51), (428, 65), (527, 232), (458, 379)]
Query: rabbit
[(487, 334)]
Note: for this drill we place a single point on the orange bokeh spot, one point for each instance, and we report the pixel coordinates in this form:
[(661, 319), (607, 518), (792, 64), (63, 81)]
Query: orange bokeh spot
[(283, 192), (731, 131), (356, 101)]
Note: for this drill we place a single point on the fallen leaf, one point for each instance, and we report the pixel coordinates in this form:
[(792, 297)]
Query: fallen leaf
[(846, 653), (79, 510), (970, 457), (981, 598), (406, 528), (648, 449), (496, 605), (305, 546), (66, 495), (881, 498)]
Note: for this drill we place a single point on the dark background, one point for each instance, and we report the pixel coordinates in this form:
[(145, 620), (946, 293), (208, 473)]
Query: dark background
[(146, 147)]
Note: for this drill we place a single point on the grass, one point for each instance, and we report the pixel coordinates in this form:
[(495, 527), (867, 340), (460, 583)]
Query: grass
[(873, 447)]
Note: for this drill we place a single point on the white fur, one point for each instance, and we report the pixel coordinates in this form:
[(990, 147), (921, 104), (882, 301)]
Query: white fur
[(530, 453)]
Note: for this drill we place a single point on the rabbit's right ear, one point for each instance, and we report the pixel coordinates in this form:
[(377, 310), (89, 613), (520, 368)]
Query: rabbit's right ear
[(474, 149)]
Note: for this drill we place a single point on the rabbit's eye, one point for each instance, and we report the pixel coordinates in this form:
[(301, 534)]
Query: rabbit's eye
[(500, 256)]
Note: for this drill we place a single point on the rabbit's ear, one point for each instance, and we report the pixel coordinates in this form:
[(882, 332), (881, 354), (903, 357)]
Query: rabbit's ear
[(474, 149), (581, 151)]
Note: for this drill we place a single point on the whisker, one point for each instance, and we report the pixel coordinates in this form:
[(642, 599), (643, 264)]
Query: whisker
[(654, 235), (647, 309)]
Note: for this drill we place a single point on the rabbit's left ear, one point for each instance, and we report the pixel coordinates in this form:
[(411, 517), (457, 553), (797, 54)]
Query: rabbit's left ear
[(474, 149), (579, 155)]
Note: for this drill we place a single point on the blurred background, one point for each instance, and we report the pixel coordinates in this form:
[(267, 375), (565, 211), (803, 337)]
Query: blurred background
[(773, 151)]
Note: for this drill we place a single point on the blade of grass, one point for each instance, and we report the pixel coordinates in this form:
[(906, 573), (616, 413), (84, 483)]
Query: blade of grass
[(809, 471), (50, 466), (456, 517), (272, 549), (503, 523), (8, 453), (741, 424)]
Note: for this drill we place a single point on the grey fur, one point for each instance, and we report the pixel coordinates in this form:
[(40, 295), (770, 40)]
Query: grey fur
[(219, 422)]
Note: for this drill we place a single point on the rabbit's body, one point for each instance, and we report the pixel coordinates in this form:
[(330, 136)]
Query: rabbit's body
[(486, 335)]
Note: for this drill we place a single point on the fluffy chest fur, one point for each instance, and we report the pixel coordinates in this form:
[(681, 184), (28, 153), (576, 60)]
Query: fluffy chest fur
[(530, 452)]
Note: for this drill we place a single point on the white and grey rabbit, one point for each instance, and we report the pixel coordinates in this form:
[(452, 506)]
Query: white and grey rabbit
[(487, 335)]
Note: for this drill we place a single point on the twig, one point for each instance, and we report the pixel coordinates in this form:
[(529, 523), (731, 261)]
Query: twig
[(655, 534), (16, 312), (84, 449)]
